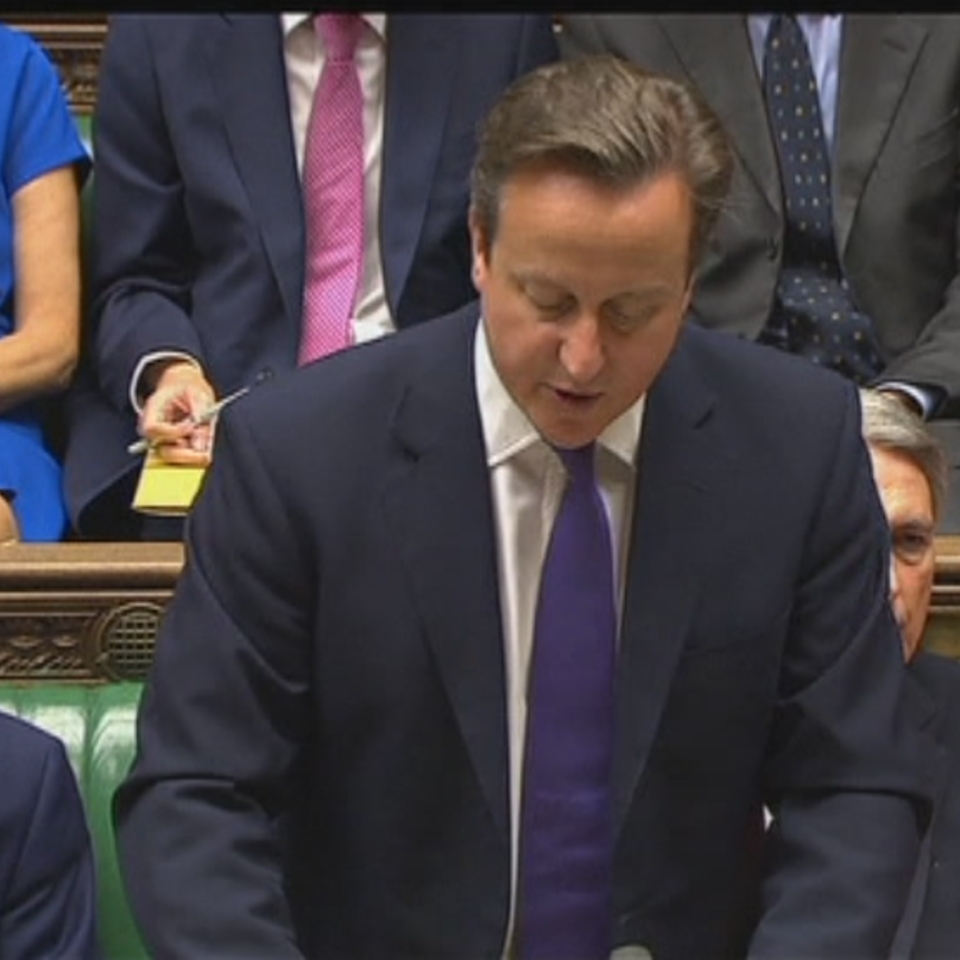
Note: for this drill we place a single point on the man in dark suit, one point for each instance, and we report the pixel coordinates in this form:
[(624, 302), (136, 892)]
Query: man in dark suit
[(48, 897), (888, 88), (199, 224), (342, 750), (911, 474)]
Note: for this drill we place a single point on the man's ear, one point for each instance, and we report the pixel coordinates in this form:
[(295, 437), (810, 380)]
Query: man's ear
[(479, 248)]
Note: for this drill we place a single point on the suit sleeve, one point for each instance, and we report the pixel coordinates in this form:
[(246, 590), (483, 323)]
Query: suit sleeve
[(143, 250), (220, 725), (50, 907), (931, 362), (849, 798)]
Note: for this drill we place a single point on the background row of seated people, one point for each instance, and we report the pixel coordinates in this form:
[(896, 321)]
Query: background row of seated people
[(200, 264)]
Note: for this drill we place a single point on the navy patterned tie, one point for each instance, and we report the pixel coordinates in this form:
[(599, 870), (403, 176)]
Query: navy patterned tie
[(814, 313), (566, 830)]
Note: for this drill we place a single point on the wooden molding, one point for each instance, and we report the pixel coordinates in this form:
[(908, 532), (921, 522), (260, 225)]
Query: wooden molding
[(83, 612), (943, 630), (89, 612), (74, 42)]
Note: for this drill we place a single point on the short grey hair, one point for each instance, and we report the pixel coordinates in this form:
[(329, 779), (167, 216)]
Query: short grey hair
[(889, 425)]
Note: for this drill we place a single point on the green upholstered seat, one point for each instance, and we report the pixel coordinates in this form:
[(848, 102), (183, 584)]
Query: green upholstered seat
[(97, 725)]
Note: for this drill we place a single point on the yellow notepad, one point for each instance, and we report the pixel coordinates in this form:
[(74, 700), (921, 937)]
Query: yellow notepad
[(166, 489)]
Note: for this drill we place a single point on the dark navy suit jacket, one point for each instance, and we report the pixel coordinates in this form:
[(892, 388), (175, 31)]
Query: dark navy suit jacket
[(323, 738), (198, 221), (930, 929), (48, 900)]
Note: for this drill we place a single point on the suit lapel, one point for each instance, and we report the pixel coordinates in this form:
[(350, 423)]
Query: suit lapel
[(877, 56), (422, 58), (716, 53), (247, 72), (440, 510), (676, 461)]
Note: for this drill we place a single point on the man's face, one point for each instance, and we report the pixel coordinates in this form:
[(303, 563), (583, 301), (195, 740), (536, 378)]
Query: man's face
[(908, 504), (583, 289)]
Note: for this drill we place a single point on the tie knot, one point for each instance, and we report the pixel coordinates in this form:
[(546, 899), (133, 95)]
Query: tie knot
[(340, 33), (784, 32), (579, 463)]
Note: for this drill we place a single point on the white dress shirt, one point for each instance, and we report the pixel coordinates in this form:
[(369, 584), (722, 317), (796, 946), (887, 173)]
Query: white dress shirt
[(304, 58), (527, 481)]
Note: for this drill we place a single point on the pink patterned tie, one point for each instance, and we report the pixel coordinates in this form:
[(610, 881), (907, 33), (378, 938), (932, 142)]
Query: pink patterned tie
[(333, 192)]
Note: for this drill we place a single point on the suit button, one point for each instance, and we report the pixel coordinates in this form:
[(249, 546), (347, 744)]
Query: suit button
[(773, 248)]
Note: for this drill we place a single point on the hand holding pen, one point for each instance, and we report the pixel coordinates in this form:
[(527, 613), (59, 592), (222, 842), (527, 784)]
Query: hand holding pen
[(179, 417)]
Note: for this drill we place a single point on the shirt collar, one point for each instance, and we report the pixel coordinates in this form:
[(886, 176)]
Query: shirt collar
[(290, 21), (507, 430)]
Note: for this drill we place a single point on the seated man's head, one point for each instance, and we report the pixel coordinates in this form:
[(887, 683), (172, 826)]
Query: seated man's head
[(911, 475)]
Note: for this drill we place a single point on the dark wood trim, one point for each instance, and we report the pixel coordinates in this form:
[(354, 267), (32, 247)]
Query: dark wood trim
[(943, 630), (74, 42), (83, 612), (88, 612)]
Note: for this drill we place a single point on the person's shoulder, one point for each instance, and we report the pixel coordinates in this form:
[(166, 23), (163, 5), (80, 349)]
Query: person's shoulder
[(362, 383), (22, 742), (20, 51), (174, 23), (16, 43), (741, 365), (33, 762)]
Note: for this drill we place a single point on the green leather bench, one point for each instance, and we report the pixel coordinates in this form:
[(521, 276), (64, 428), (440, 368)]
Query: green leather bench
[(78, 624), (96, 723)]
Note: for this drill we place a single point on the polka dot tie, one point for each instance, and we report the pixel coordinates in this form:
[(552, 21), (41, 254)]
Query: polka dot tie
[(333, 192), (814, 313)]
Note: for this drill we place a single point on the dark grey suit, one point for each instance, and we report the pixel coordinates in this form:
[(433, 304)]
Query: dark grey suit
[(895, 166)]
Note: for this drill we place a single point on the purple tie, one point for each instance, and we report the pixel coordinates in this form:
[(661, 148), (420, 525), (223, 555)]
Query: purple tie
[(333, 192), (566, 830)]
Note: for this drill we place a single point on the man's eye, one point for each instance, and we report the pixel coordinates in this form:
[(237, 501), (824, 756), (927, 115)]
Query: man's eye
[(551, 306), (912, 546), (625, 321)]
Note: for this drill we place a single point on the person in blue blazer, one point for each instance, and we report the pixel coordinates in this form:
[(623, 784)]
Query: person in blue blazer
[(197, 271), (48, 896), (331, 743)]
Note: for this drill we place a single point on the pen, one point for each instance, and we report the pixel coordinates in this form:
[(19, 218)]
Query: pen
[(143, 444)]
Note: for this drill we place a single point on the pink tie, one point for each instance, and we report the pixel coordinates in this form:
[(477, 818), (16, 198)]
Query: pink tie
[(333, 192)]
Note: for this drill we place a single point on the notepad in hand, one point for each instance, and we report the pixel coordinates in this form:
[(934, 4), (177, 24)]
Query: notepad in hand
[(166, 489)]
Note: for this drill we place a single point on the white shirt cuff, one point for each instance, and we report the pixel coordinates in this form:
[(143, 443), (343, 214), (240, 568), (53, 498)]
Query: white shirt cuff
[(136, 392)]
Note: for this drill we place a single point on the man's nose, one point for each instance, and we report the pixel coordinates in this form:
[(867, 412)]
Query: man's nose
[(582, 351)]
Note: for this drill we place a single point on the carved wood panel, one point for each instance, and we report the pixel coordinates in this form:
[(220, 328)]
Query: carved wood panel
[(74, 42), (88, 612)]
